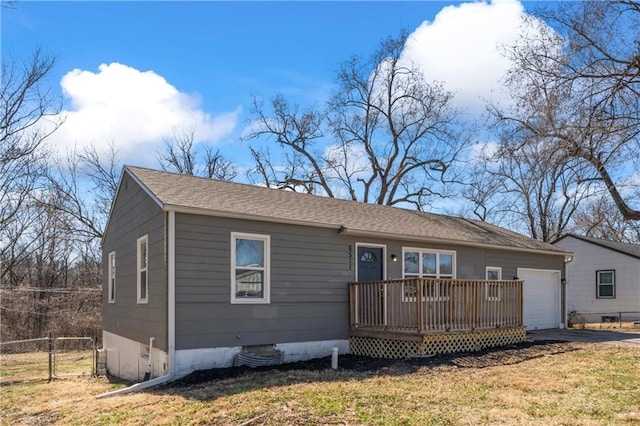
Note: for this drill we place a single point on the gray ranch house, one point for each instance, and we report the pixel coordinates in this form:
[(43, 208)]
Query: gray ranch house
[(197, 271), (603, 281)]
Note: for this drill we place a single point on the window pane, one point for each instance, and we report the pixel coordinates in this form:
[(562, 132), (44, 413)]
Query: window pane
[(368, 257), (606, 278), (249, 283), (493, 274), (411, 263), (143, 255), (249, 253), (606, 291), (446, 264), (143, 284), (429, 263)]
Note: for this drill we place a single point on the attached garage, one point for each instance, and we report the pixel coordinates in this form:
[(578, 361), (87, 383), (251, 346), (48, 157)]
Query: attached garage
[(541, 298)]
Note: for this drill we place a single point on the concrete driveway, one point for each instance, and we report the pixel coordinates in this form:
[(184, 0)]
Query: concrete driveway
[(620, 338)]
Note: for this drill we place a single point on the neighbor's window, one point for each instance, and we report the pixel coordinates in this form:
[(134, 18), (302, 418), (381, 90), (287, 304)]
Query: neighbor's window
[(143, 269), (250, 268), (424, 263), (606, 284), (112, 277), (492, 290)]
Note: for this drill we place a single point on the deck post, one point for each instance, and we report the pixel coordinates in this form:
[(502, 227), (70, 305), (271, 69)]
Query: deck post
[(520, 303), (475, 300), (419, 304), (352, 304)]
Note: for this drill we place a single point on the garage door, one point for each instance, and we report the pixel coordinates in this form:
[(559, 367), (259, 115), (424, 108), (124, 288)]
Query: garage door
[(541, 298)]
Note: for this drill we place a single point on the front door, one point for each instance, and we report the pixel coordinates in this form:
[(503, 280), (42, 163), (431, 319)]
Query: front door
[(369, 264), (371, 297)]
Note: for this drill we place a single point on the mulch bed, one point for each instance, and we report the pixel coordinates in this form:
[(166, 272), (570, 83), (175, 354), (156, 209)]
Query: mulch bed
[(361, 364)]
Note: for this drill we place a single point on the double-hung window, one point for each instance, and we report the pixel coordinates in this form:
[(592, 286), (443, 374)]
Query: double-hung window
[(143, 269), (425, 263), (112, 277), (492, 290), (250, 277), (606, 284)]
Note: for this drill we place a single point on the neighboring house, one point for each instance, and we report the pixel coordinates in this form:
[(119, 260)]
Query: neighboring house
[(197, 269), (603, 280)]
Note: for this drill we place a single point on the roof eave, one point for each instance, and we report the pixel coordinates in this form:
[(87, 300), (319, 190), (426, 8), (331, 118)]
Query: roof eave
[(595, 243), (244, 216), (126, 169), (356, 232), (415, 238)]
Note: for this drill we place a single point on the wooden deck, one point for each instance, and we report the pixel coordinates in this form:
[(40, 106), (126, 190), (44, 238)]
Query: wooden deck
[(426, 315)]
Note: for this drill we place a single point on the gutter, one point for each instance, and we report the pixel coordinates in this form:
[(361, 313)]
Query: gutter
[(171, 316), (445, 241)]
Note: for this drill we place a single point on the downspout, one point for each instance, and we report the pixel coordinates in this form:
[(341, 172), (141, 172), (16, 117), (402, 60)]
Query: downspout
[(171, 315)]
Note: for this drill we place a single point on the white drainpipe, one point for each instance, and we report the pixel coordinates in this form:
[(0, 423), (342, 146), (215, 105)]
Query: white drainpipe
[(149, 372), (171, 315)]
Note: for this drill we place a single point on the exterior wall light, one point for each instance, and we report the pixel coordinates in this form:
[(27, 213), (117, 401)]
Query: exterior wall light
[(394, 258)]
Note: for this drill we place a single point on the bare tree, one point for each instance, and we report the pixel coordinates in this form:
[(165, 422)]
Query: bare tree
[(180, 155), (528, 189), (599, 218), (579, 88), (386, 136), (28, 115)]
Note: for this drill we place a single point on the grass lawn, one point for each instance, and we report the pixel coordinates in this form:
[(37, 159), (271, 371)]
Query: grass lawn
[(558, 383)]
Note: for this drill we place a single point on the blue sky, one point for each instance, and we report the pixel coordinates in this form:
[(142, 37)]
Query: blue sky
[(129, 72)]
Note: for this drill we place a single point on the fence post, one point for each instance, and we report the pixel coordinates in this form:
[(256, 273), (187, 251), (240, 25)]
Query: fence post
[(50, 357), (95, 356)]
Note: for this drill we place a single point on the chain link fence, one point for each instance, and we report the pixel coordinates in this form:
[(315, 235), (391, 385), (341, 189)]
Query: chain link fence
[(47, 358), (620, 319)]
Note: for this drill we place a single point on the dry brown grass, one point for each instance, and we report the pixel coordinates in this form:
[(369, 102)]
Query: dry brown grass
[(621, 326), (567, 383), (34, 366)]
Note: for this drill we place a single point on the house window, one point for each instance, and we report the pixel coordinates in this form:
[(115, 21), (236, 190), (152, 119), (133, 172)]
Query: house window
[(250, 268), (606, 284), (492, 290), (494, 273), (112, 277), (143, 269), (423, 263)]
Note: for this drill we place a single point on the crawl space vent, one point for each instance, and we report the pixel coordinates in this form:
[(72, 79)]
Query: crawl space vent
[(258, 356)]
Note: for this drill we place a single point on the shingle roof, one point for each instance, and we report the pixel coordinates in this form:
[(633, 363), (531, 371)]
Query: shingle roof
[(219, 198), (625, 248)]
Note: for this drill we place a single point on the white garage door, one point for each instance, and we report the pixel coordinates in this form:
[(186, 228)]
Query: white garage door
[(541, 298)]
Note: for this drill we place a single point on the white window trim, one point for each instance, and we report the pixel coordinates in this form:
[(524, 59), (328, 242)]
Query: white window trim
[(144, 239), (613, 284), (267, 268), (111, 295), (487, 285), (437, 252)]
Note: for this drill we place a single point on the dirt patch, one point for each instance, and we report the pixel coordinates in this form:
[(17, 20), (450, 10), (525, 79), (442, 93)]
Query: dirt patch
[(505, 355)]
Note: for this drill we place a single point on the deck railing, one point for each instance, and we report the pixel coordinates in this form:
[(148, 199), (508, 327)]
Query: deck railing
[(426, 305)]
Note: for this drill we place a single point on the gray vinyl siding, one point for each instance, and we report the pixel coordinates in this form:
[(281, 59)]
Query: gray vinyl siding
[(309, 295), (135, 214), (310, 271)]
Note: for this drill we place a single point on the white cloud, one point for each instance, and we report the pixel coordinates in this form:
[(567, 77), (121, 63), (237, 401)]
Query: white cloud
[(133, 110), (483, 151), (461, 47)]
